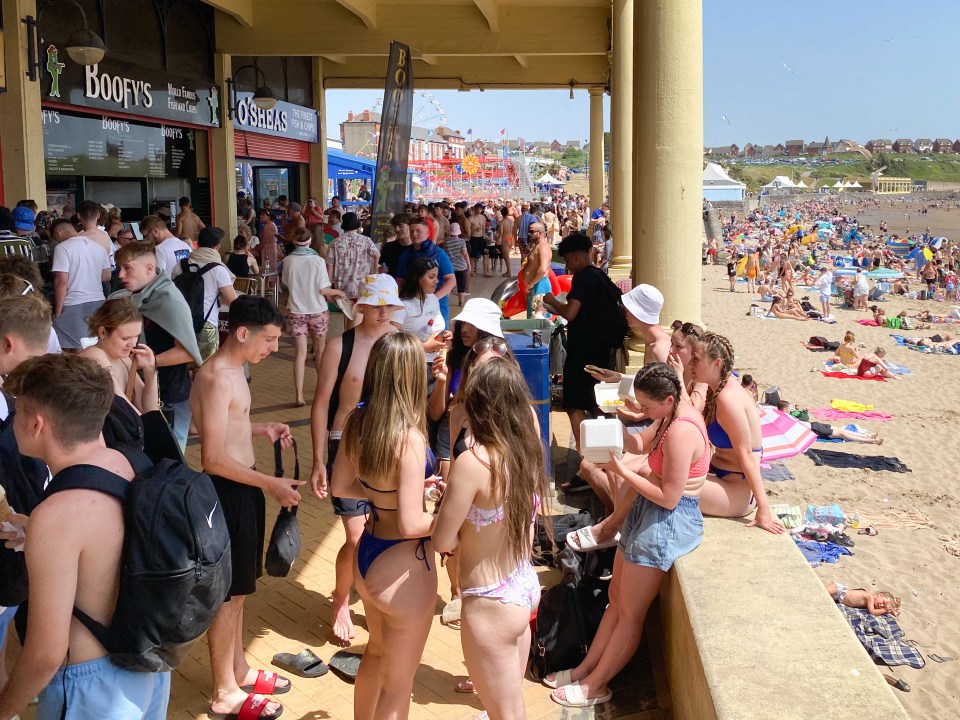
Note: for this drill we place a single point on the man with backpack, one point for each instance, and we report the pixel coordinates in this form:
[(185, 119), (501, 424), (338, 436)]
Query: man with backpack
[(221, 408), (168, 329), (73, 552), (206, 283)]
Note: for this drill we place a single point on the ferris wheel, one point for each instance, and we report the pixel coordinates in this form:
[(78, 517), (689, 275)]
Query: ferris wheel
[(427, 111)]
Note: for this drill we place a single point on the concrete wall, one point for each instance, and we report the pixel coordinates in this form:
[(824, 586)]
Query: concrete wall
[(750, 632)]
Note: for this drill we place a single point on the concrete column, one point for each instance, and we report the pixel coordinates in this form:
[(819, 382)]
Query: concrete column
[(223, 177), (668, 61), (318, 151), (621, 139), (597, 184), (21, 126)]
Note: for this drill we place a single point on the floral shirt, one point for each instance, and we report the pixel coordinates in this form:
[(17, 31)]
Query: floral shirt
[(351, 255)]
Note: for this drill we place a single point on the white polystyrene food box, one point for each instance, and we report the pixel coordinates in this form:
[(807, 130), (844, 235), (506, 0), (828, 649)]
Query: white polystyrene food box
[(598, 437), (608, 397)]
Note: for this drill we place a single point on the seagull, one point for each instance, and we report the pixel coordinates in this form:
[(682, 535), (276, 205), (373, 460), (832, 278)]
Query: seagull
[(726, 119), (787, 66), (889, 39)]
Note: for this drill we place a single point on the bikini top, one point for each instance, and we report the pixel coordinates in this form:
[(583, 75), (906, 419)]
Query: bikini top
[(698, 468), (718, 436), (460, 446), (482, 517), (430, 468)]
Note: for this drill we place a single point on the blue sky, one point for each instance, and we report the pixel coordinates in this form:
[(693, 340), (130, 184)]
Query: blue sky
[(777, 69)]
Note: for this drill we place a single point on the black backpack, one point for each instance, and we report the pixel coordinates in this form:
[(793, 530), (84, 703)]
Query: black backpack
[(190, 284), (175, 570)]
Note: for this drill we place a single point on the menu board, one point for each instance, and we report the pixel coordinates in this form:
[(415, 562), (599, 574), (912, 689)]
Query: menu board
[(110, 147)]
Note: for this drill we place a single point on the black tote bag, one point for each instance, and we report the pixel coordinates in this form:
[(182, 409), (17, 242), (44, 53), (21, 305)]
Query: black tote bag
[(285, 539)]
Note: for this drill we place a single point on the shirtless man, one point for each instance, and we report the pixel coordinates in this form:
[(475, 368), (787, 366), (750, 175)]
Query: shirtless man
[(341, 372), (476, 225), (73, 549), (505, 236), (189, 223), (220, 401), (535, 269)]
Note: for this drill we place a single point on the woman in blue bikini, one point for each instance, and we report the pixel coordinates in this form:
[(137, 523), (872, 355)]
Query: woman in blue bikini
[(734, 487), (486, 517), (384, 460)]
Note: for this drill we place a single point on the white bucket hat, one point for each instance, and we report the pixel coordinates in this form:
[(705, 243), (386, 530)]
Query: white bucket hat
[(644, 302), (379, 290), (483, 314)]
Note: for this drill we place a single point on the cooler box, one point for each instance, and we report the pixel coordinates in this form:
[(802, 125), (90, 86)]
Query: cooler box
[(535, 365)]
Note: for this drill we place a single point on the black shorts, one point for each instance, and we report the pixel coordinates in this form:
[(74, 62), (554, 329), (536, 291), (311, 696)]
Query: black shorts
[(345, 507), (476, 247), (244, 509), (494, 252), (461, 276), (822, 430), (578, 385)]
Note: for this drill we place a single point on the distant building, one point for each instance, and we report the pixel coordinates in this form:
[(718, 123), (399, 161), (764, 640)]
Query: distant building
[(923, 146), (794, 148), (723, 151), (360, 135), (943, 146), (814, 149), (881, 145), (903, 146)]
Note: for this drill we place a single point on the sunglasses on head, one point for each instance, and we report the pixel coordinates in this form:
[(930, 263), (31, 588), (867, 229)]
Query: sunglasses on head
[(430, 265), (691, 329), (28, 288), (496, 345)]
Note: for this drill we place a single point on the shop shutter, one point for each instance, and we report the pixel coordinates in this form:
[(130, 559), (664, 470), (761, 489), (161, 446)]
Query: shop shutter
[(268, 147)]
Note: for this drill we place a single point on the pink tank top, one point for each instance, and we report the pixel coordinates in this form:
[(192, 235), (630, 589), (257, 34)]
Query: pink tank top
[(697, 470)]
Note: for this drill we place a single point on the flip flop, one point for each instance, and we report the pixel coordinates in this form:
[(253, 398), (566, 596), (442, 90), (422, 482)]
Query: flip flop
[(305, 664), (573, 697), (465, 687), (583, 540), (251, 709), (266, 684), (345, 665), (561, 678), (451, 614)]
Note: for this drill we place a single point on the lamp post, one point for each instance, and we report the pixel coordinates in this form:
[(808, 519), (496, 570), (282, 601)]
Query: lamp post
[(263, 96), (84, 46)]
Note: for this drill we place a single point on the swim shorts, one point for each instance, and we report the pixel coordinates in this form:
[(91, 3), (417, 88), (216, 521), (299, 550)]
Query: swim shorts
[(71, 324), (476, 247), (100, 689), (244, 508), (344, 507), (315, 324)]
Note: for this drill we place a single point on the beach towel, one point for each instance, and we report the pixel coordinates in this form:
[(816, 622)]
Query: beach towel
[(790, 515), (842, 375), (879, 463), (775, 472), (882, 638), (869, 323), (833, 414), (849, 405), (899, 369), (817, 552), (899, 339)]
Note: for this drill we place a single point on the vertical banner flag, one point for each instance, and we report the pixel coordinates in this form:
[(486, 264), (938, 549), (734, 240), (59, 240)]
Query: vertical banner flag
[(389, 190)]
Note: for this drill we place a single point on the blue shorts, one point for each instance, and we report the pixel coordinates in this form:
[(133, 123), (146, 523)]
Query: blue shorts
[(99, 689), (655, 537), (824, 298)]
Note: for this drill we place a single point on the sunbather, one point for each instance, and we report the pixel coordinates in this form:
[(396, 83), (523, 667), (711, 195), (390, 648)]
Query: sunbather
[(831, 432), (875, 603), (879, 315), (872, 365), (777, 310), (847, 352)]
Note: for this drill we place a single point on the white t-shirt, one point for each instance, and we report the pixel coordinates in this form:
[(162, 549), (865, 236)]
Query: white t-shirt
[(103, 240), (824, 282), (424, 322), (861, 286), (53, 345), (170, 252), (215, 278), (83, 260), (305, 276)]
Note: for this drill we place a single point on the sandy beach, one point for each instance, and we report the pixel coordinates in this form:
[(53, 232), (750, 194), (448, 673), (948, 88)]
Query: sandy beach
[(912, 511)]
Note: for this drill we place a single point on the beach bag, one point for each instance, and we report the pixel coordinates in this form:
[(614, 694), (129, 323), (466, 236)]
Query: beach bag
[(817, 341), (828, 514), (567, 620), (551, 534), (175, 568), (190, 283), (771, 396), (285, 539), (558, 349)]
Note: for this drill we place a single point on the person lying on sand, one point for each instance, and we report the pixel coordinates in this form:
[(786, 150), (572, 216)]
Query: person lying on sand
[(831, 432), (777, 310), (875, 603), (879, 315)]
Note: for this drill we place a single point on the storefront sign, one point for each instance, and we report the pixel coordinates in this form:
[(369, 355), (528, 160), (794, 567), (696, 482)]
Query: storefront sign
[(123, 87), (284, 120), (110, 147)]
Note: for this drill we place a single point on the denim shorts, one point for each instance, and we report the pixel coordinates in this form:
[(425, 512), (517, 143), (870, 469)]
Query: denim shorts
[(655, 537), (99, 689)]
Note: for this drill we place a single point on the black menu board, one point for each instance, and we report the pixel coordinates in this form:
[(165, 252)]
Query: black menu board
[(111, 147)]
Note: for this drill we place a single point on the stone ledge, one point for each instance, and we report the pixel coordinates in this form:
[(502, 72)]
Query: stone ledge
[(749, 629)]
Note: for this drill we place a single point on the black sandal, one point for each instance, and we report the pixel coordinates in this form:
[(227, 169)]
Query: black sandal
[(305, 664)]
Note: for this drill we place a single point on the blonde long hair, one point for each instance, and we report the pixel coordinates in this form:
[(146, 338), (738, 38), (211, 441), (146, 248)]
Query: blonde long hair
[(393, 401), (497, 403)]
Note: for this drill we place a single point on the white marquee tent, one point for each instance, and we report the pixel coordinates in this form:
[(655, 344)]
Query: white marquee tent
[(718, 185)]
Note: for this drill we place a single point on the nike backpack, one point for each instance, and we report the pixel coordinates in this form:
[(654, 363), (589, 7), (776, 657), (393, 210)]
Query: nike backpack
[(190, 284), (175, 569)]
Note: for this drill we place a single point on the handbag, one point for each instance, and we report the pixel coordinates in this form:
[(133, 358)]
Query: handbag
[(285, 539), (158, 439)]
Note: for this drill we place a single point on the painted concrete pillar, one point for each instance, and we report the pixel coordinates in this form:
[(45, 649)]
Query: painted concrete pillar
[(223, 175), (318, 151), (21, 126), (597, 184), (621, 139), (668, 65)]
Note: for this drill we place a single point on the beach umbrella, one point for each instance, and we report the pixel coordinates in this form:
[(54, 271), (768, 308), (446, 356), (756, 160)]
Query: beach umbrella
[(782, 435)]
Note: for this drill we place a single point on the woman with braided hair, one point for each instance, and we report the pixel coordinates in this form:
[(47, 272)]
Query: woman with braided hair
[(664, 524), (734, 487)]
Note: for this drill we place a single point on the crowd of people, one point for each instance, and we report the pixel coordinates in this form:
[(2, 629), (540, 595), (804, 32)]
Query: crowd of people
[(424, 436)]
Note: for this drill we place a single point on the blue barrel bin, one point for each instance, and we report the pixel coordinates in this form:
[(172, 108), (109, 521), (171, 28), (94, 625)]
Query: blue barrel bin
[(534, 362)]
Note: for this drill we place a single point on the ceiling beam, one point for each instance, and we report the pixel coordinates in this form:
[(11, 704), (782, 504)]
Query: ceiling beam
[(338, 59), (429, 59), (489, 10), (423, 27), (239, 10), (366, 10), (521, 61)]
